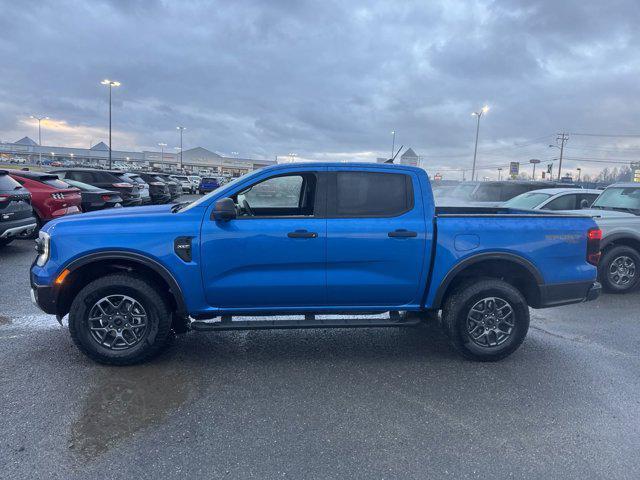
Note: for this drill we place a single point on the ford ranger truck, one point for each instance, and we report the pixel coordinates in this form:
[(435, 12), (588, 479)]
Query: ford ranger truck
[(312, 240)]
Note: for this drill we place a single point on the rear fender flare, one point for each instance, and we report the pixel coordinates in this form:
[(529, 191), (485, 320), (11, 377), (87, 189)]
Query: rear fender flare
[(467, 262)]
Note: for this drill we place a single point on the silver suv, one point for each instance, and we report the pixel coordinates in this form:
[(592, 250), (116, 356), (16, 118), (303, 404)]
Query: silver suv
[(617, 213)]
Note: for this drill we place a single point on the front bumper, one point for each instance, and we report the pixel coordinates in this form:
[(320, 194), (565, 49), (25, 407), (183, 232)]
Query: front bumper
[(45, 297), (558, 294)]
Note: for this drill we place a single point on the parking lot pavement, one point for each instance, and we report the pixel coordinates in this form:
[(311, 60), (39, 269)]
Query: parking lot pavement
[(380, 403)]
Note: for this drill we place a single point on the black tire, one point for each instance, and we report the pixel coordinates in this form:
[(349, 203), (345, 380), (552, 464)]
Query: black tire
[(151, 341), (621, 259), (458, 326), (5, 241)]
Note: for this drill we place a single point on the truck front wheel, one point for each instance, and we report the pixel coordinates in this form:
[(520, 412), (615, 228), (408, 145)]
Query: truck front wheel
[(120, 320), (486, 320)]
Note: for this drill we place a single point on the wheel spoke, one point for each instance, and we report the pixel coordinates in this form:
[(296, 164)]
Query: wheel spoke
[(490, 322), (117, 322)]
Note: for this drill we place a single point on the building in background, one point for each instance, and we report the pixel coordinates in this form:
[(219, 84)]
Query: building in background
[(409, 157), (195, 159)]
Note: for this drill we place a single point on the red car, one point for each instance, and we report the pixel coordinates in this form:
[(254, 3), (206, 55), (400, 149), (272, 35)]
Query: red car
[(50, 197)]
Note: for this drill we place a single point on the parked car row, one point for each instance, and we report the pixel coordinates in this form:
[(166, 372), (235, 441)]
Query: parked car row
[(30, 199)]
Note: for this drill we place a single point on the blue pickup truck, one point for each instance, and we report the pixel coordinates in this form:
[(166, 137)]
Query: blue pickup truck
[(338, 245)]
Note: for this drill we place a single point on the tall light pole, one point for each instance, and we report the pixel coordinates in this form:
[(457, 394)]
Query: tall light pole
[(110, 84), (162, 145), (39, 119), (393, 143), (478, 114), (499, 174), (579, 173), (181, 129)]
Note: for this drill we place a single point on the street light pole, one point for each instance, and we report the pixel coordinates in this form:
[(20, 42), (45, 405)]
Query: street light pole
[(478, 114), (162, 145), (110, 84), (181, 129), (579, 173), (39, 119), (499, 174), (393, 143)]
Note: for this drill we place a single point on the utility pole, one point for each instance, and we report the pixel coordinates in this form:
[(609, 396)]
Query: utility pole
[(562, 139)]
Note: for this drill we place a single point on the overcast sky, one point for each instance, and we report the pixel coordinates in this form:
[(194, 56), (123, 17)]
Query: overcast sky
[(329, 79)]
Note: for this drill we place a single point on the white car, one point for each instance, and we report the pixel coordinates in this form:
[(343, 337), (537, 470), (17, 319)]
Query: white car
[(185, 183), (554, 199)]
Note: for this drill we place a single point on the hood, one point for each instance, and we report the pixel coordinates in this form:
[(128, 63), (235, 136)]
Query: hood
[(110, 215)]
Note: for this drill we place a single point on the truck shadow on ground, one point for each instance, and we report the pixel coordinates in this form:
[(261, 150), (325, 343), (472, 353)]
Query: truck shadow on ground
[(247, 366), (123, 401)]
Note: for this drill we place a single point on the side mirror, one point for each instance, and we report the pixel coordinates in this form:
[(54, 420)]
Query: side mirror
[(225, 210)]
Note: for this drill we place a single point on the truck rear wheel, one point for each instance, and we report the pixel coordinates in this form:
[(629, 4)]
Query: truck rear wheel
[(120, 320), (486, 320), (618, 269)]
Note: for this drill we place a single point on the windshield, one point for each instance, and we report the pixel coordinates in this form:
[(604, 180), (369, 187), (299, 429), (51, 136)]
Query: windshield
[(487, 193), (619, 198), (527, 200), (463, 191), (222, 190)]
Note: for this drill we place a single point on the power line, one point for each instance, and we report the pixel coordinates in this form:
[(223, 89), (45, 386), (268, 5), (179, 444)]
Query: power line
[(621, 135)]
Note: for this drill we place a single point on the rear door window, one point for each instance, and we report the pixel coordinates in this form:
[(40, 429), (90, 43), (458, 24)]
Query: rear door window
[(372, 194)]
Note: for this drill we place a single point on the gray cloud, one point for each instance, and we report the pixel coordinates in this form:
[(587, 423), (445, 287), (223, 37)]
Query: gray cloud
[(326, 78)]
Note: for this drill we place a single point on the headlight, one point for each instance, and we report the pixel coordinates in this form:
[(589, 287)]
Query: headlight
[(43, 248)]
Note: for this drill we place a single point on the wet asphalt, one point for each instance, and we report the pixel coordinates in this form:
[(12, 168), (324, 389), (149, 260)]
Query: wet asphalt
[(312, 404)]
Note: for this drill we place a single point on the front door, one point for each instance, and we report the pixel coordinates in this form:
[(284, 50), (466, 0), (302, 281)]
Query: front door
[(377, 238), (273, 255)]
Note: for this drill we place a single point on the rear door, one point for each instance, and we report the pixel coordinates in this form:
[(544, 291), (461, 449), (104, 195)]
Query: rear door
[(376, 237)]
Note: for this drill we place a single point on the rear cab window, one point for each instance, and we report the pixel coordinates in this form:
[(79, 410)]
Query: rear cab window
[(370, 194)]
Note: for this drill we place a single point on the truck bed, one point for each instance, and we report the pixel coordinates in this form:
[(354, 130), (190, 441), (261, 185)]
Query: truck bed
[(472, 211)]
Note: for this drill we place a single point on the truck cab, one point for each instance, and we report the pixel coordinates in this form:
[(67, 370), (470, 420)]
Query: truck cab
[(321, 241)]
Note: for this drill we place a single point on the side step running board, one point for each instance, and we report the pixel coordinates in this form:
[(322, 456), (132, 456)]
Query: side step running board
[(204, 326)]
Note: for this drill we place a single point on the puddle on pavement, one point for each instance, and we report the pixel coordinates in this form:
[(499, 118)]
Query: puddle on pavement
[(4, 320), (123, 401)]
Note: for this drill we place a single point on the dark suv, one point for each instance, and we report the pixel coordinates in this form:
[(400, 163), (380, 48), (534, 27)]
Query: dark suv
[(16, 213), (175, 189), (158, 189), (129, 191)]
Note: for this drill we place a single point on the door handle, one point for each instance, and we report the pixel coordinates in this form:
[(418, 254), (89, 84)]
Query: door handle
[(302, 234), (402, 233)]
